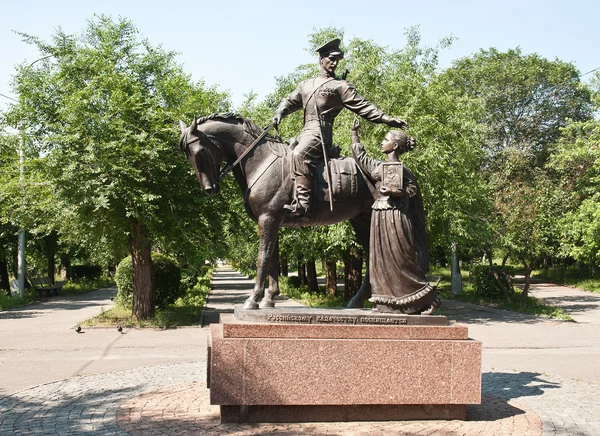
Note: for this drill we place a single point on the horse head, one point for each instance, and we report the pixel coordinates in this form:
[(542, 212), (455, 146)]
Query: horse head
[(204, 153)]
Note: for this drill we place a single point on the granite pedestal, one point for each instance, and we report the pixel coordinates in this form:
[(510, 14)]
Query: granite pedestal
[(341, 370)]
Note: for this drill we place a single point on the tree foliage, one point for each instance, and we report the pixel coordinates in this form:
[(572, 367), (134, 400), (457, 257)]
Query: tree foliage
[(527, 99), (577, 161), (101, 108)]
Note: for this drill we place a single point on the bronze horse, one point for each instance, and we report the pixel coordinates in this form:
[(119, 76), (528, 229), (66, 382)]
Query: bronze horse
[(265, 179)]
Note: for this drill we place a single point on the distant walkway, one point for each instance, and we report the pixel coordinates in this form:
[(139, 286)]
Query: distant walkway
[(583, 306), (228, 288)]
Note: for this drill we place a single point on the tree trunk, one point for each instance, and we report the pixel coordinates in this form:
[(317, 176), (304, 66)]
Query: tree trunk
[(15, 263), (497, 277), (311, 276), (4, 281), (283, 264), (65, 267), (331, 278), (302, 272), (352, 272), (504, 260), (51, 265), (528, 268), (143, 273), (50, 244)]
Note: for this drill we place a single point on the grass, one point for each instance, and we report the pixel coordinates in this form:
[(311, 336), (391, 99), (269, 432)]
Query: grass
[(7, 302), (186, 311), (86, 285), (572, 276), (529, 304), (302, 295)]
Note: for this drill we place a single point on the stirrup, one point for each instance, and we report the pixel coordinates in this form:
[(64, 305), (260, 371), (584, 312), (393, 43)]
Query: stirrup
[(297, 211), (292, 207)]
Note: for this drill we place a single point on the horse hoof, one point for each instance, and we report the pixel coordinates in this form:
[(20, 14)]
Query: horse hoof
[(250, 305), (266, 304)]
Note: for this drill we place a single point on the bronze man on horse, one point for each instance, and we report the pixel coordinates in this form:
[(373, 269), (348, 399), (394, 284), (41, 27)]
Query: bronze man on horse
[(322, 99)]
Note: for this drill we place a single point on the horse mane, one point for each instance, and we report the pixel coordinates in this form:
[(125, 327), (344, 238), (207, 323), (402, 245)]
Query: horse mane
[(250, 126), (226, 116)]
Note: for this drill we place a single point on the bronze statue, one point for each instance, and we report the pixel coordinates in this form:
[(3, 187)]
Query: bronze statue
[(267, 186), (322, 99), (398, 256)]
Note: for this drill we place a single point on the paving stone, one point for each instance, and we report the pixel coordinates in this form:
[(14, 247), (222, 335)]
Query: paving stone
[(172, 399)]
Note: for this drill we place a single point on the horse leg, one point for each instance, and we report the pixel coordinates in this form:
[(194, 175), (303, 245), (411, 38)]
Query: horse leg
[(362, 228), (273, 273), (267, 228)]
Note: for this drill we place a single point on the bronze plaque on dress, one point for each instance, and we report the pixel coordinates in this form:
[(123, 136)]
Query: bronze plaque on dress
[(391, 177)]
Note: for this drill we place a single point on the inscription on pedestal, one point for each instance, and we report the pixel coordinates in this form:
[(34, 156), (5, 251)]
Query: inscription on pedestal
[(312, 315)]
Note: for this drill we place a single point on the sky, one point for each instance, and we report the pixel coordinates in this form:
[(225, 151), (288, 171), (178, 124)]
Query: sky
[(242, 46)]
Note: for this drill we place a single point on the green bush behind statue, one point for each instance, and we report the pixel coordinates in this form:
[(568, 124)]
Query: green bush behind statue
[(82, 272), (167, 281), (485, 284)]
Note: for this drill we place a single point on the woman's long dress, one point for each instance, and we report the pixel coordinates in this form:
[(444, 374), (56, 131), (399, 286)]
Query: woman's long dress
[(398, 256)]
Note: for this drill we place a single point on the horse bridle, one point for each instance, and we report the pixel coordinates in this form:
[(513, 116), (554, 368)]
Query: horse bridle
[(216, 143), (212, 140)]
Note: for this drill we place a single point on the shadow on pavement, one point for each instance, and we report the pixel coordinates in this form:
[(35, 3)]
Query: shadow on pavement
[(514, 385), (233, 286), (20, 314), (468, 313), (492, 409), (228, 276), (574, 303), (93, 298)]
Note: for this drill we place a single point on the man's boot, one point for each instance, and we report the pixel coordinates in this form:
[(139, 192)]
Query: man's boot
[(301, 206), (304, 189)]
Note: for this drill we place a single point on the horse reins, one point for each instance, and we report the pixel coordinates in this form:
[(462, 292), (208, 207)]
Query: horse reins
[(226, 170), (229, 168)]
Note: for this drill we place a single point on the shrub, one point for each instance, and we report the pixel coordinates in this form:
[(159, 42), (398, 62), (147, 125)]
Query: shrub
[(485, 284), (167, 281), (88, 272), (293, 281)]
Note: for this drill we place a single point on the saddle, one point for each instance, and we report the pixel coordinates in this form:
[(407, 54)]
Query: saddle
[(344, 180), (344, 173)]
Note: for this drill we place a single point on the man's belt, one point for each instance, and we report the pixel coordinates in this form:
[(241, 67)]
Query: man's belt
[(324, 122)]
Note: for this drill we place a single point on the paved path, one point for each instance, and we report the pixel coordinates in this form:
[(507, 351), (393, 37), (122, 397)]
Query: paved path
[(583, 306), (39, 345), (532, 384), (531, 343)]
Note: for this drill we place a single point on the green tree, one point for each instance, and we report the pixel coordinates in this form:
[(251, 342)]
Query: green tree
[(101, 108), (8, 169), (526, 100), (577, 161), (529, 211)]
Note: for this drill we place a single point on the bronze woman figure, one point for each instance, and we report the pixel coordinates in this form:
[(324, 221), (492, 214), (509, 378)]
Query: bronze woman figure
[(398, 256)]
